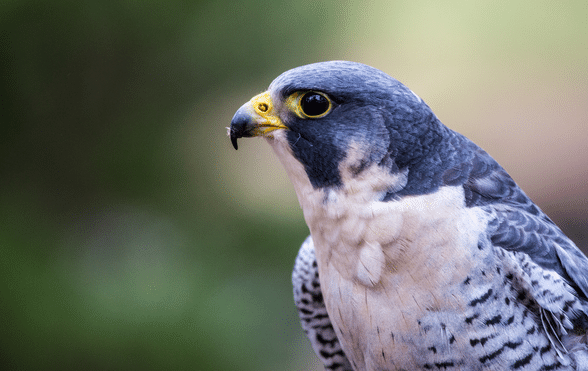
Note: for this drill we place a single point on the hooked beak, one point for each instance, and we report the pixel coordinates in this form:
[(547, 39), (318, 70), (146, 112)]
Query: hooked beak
[(255, 118), (242, 125)]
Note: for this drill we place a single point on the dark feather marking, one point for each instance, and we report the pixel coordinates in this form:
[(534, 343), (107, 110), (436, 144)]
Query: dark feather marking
[(513, 345), (481, 341), (545, 349), (481, 299), (471, 319), (494, 320), (444, 365), (491, 356), (532, 330), (523, 361), (550, 367)]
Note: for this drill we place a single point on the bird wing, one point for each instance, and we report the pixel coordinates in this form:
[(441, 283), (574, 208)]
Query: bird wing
[(551, 273), (312, 311), (518, 225)]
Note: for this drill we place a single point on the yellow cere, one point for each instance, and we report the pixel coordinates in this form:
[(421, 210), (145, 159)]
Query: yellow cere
[(267, 120)]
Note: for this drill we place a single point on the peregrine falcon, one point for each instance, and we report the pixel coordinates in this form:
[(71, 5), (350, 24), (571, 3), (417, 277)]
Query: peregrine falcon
[(423, 252)]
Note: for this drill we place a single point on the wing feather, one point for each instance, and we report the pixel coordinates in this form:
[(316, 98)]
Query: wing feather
[(548, 265), (520, 226), (313, 313)]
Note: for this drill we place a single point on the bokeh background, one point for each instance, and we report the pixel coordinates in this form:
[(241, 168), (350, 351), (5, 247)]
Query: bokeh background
[(132, 235)]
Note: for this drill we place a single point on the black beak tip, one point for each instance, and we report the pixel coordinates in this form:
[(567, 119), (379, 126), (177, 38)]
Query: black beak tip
[(241, 126), (234, 140)]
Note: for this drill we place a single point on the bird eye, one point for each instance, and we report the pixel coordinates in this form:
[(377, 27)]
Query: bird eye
[(314, 105)]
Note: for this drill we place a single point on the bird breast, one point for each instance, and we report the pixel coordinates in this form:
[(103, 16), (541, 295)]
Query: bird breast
[(383, 266)]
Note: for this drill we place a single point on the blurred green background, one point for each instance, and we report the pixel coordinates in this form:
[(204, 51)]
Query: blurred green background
[(132, 235)]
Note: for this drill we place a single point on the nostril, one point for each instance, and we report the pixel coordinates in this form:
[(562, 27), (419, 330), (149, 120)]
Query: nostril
[(263, 107)]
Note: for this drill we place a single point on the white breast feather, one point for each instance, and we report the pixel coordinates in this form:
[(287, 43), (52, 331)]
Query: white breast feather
[(371, 253)]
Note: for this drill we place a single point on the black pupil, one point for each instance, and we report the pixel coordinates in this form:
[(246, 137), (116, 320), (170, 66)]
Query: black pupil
[(314, 104)]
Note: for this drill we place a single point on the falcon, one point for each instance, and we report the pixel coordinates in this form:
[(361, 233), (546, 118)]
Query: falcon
[(423, 252)]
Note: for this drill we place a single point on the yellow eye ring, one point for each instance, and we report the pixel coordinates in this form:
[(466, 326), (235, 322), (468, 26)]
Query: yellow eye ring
[(309, 104)]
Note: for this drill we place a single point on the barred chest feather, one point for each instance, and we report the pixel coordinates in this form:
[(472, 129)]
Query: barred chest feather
[(413, 283)]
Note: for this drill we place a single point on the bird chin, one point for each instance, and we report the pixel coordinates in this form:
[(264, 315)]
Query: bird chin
[(276, 137)]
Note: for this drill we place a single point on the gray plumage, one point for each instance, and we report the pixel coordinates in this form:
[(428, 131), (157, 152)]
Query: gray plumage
[(425, 254)]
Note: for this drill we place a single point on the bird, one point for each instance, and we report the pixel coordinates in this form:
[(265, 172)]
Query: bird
[(423, 254)]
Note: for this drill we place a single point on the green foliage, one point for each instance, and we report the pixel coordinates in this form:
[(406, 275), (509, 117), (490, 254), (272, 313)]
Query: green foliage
[(111, 258)]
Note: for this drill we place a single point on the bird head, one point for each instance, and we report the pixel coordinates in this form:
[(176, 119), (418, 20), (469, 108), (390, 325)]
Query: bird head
[(340, 120)]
